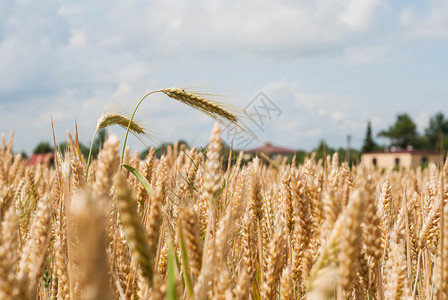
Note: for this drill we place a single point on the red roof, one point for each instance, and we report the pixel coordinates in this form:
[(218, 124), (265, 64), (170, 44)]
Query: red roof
[(271, 149), (39, 158)]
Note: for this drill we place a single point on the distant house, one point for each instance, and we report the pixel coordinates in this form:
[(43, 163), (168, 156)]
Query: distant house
[(409, 158), (42, 158), (270, 150)]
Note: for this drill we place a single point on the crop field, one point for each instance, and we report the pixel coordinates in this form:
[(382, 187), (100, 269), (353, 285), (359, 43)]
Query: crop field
[(191, 225)]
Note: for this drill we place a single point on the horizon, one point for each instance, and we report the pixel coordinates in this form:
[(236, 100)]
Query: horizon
[(385, 147)]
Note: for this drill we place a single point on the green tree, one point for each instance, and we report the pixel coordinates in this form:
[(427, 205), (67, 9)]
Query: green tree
[(43, 147), (402, 133), (300, 156), (355, 156), (322, 150), (369, 144), (437, 131), (24, 155)]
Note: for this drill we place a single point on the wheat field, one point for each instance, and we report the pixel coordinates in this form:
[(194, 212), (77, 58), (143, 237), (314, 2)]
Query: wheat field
[(208, 230)]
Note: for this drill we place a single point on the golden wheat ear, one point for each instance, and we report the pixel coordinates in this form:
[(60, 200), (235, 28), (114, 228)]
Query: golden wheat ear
[(115, 118), (211, 108), (225, 114)]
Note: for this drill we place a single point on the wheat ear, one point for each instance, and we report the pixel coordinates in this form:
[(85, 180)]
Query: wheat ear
[(33, 253), (89, 229), (107, 166), (350, 245), (133, 228), (213, 109), (189, 224), (8, 253), (114, 118), (396, 284), (276, 258)]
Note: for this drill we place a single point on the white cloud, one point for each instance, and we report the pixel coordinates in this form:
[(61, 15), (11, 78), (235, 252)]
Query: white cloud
[(422, 121), (269, 28), (78, 39), (428, 22), (358, 14), (321, 112), (314, 133), (310, 117), (371, 54), (376, 121), (338, 116)]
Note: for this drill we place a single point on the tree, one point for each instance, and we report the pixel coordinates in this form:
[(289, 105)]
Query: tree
[(402, 133), (43, 147), (355, 155), (24, 155), (437, 131), (369, 144), (322, 150)]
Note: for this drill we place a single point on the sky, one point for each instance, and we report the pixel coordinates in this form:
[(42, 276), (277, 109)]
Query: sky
[(325, 67)]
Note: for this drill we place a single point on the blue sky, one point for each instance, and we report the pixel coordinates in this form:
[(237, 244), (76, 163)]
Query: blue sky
[(329, 65)]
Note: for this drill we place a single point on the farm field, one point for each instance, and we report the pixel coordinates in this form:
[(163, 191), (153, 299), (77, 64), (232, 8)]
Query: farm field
[(211, 230), (219, 150)]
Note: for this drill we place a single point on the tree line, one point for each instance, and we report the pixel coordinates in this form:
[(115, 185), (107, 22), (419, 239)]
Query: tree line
[(403, 134)]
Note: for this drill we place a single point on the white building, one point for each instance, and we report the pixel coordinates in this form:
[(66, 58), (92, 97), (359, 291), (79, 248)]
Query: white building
[(410, 158)]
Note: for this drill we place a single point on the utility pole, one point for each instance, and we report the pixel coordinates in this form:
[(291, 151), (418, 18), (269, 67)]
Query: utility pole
[(347, 151)]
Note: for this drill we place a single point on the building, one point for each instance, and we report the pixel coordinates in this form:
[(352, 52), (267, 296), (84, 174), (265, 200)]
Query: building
[(41, 158), (410, 158), (269, 150)]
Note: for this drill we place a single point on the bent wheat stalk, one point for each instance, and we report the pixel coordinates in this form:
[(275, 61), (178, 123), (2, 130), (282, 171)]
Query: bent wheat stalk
[(212, 108), (130, 123), (114, 118)]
